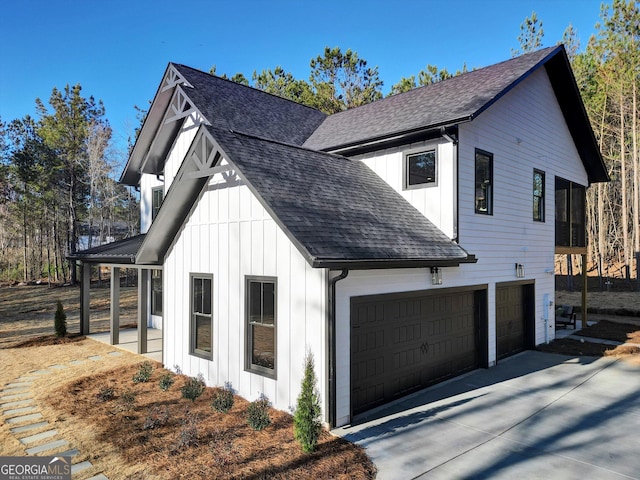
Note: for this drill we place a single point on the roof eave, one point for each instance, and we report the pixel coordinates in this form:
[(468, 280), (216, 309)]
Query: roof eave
[(387, 263)]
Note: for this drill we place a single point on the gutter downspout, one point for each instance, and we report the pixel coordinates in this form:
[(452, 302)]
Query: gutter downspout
[(331, 345)]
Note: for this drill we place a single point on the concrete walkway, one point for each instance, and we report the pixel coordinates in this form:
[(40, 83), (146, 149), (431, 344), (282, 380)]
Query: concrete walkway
[(129, 341), (533, 416), (34, 432)]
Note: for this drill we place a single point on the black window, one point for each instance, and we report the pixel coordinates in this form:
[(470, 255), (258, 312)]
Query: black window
[(201, 315), (570, 214), (420, 168), (484, 183), (156, 292), (157, 195), (538, 196), (261, 325)]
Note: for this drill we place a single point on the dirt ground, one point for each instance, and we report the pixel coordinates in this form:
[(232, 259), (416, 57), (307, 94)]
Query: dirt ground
[(27, 312)]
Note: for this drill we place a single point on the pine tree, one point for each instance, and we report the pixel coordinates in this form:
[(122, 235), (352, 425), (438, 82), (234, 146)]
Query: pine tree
[(60, 320), (306, 420)]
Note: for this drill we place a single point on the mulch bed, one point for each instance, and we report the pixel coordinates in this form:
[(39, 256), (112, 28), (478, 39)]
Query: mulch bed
[(604, 329), (220, 445), (47, 340)]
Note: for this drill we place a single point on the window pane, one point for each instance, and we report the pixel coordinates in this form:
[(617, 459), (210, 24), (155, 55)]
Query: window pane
[(255, 302), (484, 187), (538, 196), (421, 168), (269, 303), (203, 333), (206, 296), (263, 348), (197, 295)]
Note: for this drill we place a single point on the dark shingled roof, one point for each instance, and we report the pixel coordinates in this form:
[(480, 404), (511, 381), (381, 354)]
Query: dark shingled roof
[(336, 210), (444, 103), (233, 106), (121, 251)]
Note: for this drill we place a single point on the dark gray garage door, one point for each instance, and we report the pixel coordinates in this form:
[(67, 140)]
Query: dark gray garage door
[(403, 342), (510, 320)]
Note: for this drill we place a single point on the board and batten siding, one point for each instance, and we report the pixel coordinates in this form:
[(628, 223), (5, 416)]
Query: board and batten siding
[(524, 130), (230, 235), (436, 202)]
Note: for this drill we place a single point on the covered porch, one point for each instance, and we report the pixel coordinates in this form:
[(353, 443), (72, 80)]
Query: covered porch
[(116, 256)]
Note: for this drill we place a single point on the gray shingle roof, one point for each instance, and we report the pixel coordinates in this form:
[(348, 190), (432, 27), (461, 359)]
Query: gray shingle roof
[(232, 106), (450, 101), (120, 251), (336, 209)]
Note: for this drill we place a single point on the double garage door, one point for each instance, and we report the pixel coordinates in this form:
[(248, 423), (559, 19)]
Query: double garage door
[(404, 342)]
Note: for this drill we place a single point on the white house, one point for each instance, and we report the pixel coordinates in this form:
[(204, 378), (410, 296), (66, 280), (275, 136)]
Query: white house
[(403, 242)]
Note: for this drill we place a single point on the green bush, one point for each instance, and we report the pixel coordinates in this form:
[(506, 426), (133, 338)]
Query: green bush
[(166, 381), (223, 398), (306, 420), (60, 320), (144, 372), (258, 413), (193, 387), (128, 400)]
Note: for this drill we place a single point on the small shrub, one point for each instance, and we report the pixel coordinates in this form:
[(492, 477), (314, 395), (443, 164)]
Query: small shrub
[(166, 381), (193, 388), (224, 451), (306, 420), (157, 417), (258, 413), (128, 400), (188, 435), (223, 398), (144, 373), (105, 394), (60, 320), (177, 368)]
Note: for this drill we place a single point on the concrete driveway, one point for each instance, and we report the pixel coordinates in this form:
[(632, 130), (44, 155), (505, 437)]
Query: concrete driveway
[(534, 416)]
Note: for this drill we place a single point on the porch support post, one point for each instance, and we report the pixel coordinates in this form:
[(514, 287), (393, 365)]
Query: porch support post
[(85, 285), (143, 309), (114, 329), (584, 290)]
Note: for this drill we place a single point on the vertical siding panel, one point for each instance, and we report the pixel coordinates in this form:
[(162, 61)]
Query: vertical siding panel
[(236, 307), (222, 308), (285, 318)]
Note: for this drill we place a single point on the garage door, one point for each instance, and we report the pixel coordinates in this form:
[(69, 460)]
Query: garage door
[(403, 342), (510, 320)]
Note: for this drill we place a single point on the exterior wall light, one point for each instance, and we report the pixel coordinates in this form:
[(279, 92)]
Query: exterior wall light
[(519, 270), (436, 276)]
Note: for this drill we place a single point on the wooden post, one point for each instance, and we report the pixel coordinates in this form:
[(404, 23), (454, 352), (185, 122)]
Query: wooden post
[(114, 329), (143, 309), (584, 290), (85, 285)]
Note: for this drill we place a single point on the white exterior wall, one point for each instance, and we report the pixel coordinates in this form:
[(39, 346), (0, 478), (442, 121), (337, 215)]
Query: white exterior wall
[(436, 202), (172, 164), (230, 235), (524, 130)]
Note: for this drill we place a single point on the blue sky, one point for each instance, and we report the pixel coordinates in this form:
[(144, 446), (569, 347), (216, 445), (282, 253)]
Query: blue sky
[(118, 50)]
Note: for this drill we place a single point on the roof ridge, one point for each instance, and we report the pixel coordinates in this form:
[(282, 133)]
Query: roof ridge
[(228, 80), (441, 82)]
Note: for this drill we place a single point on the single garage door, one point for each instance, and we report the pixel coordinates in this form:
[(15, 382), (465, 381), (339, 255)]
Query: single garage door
[(512, 318), (401, 343)]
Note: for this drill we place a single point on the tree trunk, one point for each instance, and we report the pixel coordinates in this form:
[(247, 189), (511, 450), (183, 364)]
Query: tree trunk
[(636, 192), (623, 179)]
